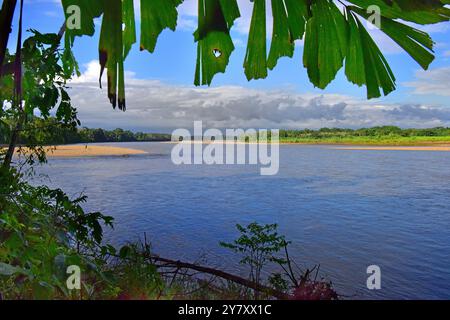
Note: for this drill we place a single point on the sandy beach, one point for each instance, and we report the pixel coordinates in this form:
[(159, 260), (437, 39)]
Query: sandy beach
[(429, 147), (72, 151)]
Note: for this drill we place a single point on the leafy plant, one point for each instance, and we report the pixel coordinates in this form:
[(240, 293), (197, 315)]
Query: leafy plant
[(136, 276), (43, 91), (42, 232), (258, 244), (261, 245)]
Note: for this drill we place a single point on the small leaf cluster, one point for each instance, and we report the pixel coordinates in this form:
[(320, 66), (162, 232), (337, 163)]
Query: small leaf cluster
[(259, 245)]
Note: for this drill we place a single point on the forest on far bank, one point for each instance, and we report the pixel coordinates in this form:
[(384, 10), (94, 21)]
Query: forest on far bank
[(384, 135), (51, 132)]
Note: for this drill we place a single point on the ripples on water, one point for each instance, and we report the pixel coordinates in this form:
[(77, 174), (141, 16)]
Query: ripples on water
[(342, 209)]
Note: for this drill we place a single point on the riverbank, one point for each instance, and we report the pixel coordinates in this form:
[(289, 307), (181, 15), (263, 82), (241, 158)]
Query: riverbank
[(352, 145), (395, 148), (73, 151), (82, 150), (392, 141)]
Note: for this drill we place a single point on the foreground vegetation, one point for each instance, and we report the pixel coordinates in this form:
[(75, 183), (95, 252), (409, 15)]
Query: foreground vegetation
[(43, 233)]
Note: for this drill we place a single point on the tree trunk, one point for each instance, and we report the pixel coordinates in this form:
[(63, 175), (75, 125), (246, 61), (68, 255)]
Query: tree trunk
[(12, 144), (6, 17)]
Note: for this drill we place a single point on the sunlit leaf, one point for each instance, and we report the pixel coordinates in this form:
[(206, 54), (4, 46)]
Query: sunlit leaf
[(255, 63), (89, 10), (289, 20), (111, 52), (214, 48), (418, 11), (418, 44), (365, 64), (157, 15), (129, 31), (325, 43), (282, 40), (329, 37)]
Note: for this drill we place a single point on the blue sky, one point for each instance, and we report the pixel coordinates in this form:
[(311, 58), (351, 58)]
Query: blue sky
[(171, 70)]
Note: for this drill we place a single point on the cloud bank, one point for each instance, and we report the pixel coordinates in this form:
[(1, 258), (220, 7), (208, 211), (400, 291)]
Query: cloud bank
[(157, 106)]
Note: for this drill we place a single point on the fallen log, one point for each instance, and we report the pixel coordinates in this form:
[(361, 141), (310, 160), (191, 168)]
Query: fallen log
[(222, 274)]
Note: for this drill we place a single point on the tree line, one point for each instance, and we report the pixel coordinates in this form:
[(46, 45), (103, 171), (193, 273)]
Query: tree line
[(51, 132), (384, 131)]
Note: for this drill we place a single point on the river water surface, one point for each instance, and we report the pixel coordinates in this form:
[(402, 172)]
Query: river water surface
[(342, 209)]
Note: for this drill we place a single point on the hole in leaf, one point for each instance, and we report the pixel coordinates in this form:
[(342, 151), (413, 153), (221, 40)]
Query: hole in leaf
[(217, 53)]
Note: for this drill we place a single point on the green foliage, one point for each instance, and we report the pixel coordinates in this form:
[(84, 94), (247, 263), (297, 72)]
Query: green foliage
[(261, 245), (418, 44), (112, 49), (332, 37), (86, 135), (365, 63), (44, 93), (42, 232), (326, 43), (216, 17), (46, 132), (388, 132), (255, 64), (156, 16), (44, 79), (258, 244), (278, 282), (286, 28), (136, 277), (118, 34)]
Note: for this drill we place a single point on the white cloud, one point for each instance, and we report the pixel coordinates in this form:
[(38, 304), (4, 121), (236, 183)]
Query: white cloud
[(432, 82), (92, 73), (153, 105)]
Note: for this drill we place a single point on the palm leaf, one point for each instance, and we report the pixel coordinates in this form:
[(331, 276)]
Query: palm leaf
[(214, 43), (365, 64)]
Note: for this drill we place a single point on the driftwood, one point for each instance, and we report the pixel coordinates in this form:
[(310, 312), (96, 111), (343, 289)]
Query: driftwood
[(224, 275)]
